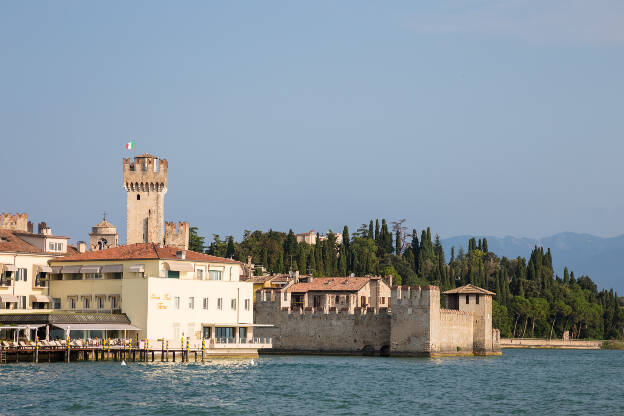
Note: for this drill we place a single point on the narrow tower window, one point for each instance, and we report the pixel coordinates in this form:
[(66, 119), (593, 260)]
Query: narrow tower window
[(467, 299), (138, 197)]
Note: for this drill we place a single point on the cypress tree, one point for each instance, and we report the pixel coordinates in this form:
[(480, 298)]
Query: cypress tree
[(230, 251), (397, 244), (370, 231), (485, 245), (376, 230)]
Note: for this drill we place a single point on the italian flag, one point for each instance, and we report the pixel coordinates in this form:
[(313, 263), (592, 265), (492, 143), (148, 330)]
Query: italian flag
[(130, 145)]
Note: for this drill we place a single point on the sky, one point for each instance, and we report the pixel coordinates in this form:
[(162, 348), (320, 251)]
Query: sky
[(477, 117)]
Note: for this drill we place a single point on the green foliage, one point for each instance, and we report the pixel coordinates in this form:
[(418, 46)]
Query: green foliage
[(196, 243), (530, 300)]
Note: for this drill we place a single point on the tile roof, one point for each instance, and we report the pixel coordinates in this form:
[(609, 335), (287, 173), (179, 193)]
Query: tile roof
[(143, 251), (12, 243), (469, 289), (331, 284)]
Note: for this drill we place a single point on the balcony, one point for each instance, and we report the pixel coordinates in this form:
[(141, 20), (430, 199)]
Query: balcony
[(242, 343), (5, 282)]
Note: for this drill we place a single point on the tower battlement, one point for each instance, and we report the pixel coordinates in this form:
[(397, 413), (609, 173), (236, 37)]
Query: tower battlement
[(145, 173), (17, 222), (415, 296), (177, 235)]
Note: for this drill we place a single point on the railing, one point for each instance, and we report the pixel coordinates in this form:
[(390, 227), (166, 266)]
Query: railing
[(231, 342)]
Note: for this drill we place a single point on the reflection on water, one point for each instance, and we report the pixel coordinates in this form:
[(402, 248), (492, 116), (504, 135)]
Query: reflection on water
[(522, 382)]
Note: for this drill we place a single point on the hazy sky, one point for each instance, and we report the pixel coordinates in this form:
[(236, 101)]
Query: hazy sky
[(477, 117)]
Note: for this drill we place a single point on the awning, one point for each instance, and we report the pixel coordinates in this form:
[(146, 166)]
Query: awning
[(45, 269), (137, 268), (177, 266), (57, 269), (112, 268), (8, 298), (10, 268), (71, 269), (41, 298), (97, 327), (85, 296), (90, 269)]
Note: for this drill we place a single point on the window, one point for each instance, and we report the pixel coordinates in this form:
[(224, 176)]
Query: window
[(86, 302), (205, 306), (242, 333), (56, 303), (114, 302), (21, 303), (22, 274), (215, 274), (247, 304), (55, 246), (233, 304), (117, 275), (227, 332), (72, 303), (173, 275), (92, 276), (100, 302), (40, 279), (138, 197), (206, 332), (200, 274), (51, 246), (383, 300), (477, 299), (191, 303), (337, 299), (176, 302), (467, 299), (220, 303)]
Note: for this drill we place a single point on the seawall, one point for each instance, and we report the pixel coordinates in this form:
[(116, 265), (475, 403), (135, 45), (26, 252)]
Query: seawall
[(549, 343)]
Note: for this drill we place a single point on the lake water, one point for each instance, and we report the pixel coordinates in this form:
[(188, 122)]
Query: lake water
[(553, 382)]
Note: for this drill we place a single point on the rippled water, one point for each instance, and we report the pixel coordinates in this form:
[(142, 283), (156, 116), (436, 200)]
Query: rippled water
[(521, 382)]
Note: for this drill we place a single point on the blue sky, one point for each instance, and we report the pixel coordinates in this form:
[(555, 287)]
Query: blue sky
[(480, 117)]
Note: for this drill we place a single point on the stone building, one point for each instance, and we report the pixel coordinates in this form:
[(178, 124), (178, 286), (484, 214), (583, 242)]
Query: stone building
[(145, 180), (103, 235), (414, 325), (340, 292)]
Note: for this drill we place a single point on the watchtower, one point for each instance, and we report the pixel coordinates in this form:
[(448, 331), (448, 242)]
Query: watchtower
[(478, 301), (145, 181)]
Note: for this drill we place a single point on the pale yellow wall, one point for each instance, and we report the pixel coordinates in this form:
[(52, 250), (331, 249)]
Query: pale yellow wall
[(62, 289), (29, 262)]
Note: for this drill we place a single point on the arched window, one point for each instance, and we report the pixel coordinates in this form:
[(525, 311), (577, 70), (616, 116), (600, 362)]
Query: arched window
[(138, 197)]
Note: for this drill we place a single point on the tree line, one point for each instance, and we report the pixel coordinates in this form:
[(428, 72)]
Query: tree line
[(531, 300)]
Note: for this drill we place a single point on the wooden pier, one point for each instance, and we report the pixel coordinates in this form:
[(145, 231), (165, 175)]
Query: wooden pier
[(127, 352)]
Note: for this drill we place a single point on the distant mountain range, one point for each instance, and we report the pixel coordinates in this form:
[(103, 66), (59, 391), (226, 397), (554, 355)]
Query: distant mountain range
[(597, 257)]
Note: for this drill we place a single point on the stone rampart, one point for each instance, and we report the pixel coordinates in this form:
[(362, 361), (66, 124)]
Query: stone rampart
[(17, 222), (177, 235), (456, 331)]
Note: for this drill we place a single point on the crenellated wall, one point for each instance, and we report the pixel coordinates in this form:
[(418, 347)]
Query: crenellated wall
[(17, 222), (177, 235), (416, 326)]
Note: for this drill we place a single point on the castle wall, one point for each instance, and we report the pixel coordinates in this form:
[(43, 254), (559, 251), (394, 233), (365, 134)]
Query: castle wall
[(456, 332), (363, 331), (177, 235), (17, 222)]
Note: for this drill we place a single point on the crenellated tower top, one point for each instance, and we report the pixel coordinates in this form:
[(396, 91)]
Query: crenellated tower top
[(145, 173)]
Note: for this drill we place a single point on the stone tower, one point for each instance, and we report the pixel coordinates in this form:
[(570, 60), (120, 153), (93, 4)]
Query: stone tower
[(145, 181), (102, 236)]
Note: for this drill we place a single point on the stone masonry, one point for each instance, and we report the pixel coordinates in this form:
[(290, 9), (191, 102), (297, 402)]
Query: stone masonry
[(415, 325)]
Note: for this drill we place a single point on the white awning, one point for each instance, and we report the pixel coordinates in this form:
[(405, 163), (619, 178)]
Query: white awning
[(41, 298), (57, 269), (137, 268), (112, 268), (71, 269), (90, 269), (10, 268), (97, 327), (45, 269), (178, 266), (8, 298)]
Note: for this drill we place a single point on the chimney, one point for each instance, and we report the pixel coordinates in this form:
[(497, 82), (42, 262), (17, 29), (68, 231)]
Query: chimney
[(29, 227), (389, 280), (43, 228), (181, 254), (82, 247)]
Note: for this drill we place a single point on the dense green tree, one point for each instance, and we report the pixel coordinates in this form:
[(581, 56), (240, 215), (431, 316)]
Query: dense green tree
[(196, 242)]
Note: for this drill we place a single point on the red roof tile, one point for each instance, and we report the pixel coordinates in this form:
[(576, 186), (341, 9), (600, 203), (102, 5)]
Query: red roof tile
[(143, 251), (12, 243), (469, 289), (331, 284)]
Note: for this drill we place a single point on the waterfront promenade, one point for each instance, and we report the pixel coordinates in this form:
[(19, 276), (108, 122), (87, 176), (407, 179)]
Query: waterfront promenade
[(550, 343)]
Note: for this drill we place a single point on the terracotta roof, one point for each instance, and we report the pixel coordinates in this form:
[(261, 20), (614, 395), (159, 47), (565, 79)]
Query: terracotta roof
[(331, 284), (143, 251), (469, 289), (104, 223), (259, 279), (9, 241)]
